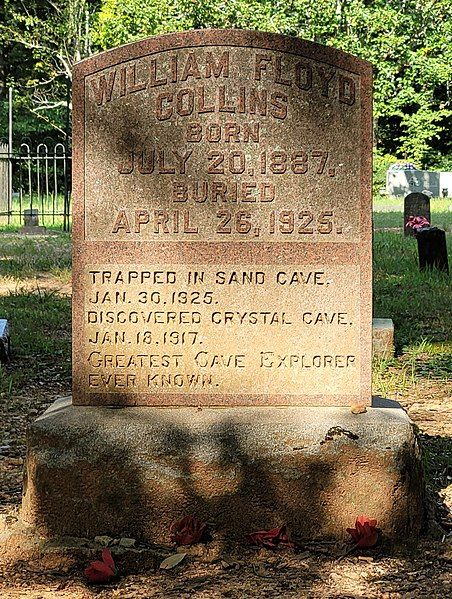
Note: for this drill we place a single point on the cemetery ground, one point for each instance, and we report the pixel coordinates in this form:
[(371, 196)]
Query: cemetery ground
[(35, 296)]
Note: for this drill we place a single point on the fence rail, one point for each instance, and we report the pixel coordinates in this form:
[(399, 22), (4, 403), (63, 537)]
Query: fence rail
[(38, 178)]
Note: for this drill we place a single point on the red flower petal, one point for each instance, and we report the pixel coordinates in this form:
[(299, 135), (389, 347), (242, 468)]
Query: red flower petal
[(99, 572), (187, 531), (275, 537), (107, 558), (365, 520), (365, 533)]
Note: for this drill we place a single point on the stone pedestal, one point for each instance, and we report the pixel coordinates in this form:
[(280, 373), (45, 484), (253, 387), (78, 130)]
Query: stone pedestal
[(132, 471)]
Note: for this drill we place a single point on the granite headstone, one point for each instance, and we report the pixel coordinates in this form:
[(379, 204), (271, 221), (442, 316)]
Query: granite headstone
[(222, 223), (415, 204)]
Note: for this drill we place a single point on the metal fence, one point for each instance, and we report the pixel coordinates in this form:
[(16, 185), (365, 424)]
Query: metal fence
[(36, 178)]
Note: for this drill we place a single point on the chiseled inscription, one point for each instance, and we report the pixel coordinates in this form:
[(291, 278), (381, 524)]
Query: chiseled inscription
[(224, 144), (220, 329)]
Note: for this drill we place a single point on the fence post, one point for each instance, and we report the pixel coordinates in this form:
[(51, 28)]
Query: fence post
[(10, 153)]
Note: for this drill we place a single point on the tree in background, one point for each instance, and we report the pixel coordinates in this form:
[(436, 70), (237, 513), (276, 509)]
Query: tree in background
[(409, 43), (41, 40)]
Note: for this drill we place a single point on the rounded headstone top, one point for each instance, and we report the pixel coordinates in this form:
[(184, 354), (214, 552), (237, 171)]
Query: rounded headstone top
[(226, 37)]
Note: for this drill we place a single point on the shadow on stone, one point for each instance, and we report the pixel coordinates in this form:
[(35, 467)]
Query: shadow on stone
[(133, 471)]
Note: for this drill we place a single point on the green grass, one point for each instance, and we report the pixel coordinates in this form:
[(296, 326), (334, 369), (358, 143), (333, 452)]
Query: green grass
[(47, 205), (27, 256), (420, 303), (40, 320), (388, 213), (40, 331)]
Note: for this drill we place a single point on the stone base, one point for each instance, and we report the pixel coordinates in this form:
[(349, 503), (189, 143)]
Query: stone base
[(33, 230), (132, 471), (382, 338)]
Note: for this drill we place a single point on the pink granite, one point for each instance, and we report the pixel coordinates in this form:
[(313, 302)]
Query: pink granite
[(222, 223)]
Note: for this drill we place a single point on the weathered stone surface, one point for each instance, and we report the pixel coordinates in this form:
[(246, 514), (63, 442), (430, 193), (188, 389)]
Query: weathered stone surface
[(222, 223), (31, 217), (432, 249), (33, 230), (382, 338), (131, 472)]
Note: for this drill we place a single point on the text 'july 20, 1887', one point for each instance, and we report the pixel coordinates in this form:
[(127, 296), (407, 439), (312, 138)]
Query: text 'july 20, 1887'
[(222, 251)]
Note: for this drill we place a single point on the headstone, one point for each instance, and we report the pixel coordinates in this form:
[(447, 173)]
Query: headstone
[(405, 181), (222, 257), (31, 217), (432, 248), (382, 338), (415, 204), (31, 223), (222, 224)]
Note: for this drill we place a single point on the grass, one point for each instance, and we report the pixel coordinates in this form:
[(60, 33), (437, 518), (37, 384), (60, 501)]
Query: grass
[(51, 209), (40, 325), (27, 256), (40, 318), (388, 212), (420, 303)]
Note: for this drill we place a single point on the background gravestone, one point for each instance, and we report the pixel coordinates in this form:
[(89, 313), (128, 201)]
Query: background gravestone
[(432, 249), (222, 223), (415, 204)]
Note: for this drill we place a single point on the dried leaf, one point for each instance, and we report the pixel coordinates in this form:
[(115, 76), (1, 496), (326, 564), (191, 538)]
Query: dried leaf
[(365, 533), (187, 531), (276, 537), (172, 561), (358, 408)]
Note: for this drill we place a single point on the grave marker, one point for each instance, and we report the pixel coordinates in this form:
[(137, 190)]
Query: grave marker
[(432, 249), (222, 226), (415, 204), (222, 233)]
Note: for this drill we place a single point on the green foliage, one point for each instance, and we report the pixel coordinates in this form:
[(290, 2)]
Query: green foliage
[(443, 163), (408, 42), (41, 40), (381, 163)]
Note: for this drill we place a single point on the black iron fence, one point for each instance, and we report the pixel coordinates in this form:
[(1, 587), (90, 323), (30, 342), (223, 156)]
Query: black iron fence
[(35, 178)]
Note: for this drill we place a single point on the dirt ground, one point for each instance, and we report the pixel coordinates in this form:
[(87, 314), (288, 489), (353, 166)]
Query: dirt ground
[(317, 570)]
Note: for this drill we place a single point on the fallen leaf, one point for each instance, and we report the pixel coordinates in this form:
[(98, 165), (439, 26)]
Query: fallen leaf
[(358, 408), (273, 538), (187, 531), (172, 561), (365, 533)]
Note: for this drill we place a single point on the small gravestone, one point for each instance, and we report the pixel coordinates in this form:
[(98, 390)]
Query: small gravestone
[(31, 223), (382, 338), (5, 341), (432, 248), (31, 217), (222, 258), (415, 204)]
